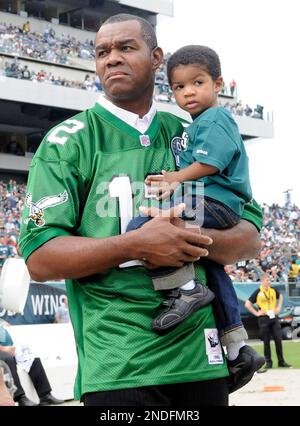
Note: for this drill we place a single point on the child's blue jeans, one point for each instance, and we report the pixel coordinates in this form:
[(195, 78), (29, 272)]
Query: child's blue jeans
[(227, 314)]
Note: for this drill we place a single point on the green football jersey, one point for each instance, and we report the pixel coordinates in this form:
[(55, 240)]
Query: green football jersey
[(87, 179)]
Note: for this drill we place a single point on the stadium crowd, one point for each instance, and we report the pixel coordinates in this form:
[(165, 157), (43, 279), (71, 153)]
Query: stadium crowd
[(46, 46), (63, 49), (14, 69), (280, 236)]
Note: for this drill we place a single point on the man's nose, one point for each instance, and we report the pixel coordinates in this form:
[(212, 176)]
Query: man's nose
[(114, 57)]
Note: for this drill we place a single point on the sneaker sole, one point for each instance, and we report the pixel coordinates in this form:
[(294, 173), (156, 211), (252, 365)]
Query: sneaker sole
[(256, 365)]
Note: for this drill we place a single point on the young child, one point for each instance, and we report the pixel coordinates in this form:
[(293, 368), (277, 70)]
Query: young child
[(212, 152)]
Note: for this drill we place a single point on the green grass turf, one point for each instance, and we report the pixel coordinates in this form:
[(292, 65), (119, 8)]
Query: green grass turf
[(291, 352)]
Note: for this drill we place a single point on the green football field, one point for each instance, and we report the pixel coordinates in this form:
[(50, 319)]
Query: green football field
[(291, 352)]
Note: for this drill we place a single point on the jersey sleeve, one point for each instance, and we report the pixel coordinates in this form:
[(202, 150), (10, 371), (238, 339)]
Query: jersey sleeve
[(253, 296), (253, 213), (213, 146), (52, 203)]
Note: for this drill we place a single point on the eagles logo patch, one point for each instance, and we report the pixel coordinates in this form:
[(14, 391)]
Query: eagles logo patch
[(36, 210), (179, 145)]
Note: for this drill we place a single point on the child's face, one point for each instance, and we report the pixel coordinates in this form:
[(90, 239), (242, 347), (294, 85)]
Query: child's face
[(194, 89)]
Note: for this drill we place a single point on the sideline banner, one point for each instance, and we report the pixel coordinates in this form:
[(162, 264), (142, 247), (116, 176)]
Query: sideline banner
[(42, 303)]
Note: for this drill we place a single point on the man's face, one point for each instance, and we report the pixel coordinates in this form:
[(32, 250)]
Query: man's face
[(124, 62), (266, 282)]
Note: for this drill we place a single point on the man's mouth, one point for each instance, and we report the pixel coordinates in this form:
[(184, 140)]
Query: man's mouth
[(115, 75)]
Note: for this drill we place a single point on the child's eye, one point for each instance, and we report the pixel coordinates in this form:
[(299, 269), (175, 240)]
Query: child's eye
[(198, 83), (178, 87)]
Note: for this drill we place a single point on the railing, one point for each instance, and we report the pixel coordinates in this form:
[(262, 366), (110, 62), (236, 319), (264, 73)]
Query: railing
[(293, 289)]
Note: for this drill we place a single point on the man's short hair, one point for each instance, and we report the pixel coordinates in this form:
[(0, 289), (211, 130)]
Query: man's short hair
[(147, 30), (203, 56), (264, 275)]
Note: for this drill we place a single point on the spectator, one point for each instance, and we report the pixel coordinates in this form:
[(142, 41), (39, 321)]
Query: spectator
[(26, 75), (232, 87), (248, 111), (6, 251), (62, 313), (34, 368), (294, 271), (269, 302), (26, 27)]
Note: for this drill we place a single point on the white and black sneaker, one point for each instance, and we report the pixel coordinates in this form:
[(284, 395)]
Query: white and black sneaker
[(180, 304)]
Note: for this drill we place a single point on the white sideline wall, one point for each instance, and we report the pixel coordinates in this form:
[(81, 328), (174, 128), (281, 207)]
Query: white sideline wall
[(55, 345)]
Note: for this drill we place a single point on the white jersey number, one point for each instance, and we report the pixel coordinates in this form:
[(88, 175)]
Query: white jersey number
[(120, 187), (70, 127)]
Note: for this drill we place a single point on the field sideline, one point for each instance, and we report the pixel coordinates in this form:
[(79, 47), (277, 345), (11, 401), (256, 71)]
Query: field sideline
[(291, 352)]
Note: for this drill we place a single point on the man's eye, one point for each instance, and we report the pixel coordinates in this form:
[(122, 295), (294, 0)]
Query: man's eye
[(126, 48), (101, 53)]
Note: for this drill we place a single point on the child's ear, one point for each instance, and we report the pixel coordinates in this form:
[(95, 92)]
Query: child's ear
[(219, 84)]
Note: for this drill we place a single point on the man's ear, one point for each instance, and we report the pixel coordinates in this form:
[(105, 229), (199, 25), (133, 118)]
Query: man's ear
[(157, 57), (219, 84)]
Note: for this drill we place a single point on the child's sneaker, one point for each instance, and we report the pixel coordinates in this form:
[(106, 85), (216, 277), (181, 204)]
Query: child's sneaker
[(243, 368), (180, 304)]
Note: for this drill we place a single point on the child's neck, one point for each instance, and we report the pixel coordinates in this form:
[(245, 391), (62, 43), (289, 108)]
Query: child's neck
[(194, 116)]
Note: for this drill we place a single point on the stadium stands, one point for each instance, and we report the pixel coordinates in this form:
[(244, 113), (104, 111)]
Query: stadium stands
[(280, 236), (46, 47)]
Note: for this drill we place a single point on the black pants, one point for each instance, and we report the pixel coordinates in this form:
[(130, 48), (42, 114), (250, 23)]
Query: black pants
[(193, 394), (36, 373), (267, 328)]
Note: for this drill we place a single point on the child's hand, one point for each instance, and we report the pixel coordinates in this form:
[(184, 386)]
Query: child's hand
[(163, 185)]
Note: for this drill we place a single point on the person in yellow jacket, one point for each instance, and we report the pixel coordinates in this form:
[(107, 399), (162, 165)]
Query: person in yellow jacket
[(294, 271), (269, 303)]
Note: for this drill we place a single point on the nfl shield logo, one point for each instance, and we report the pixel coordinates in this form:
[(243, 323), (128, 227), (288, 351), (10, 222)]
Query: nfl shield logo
[(145, 140)]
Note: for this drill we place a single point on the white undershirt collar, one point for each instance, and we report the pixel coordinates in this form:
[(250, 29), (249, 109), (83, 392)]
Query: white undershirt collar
[(140, 124)]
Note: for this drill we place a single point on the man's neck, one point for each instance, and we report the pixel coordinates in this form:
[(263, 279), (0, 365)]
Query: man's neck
[(140, 106)]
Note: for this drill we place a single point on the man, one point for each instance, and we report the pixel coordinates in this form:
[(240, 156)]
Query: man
[(89, 173), (269, 302), (35, 370)]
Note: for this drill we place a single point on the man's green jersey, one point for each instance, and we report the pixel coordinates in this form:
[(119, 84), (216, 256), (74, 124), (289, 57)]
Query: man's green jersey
[(87, 179)]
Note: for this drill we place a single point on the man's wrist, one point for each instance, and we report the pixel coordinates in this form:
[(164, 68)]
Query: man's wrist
[(132, 245)]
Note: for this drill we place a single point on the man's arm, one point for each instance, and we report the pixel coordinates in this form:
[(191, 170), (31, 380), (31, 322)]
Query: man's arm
[(159, 242), (250, 307), (235, 244)]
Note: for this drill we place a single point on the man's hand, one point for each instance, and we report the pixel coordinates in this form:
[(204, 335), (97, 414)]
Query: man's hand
[(166, 244), (260, 313)]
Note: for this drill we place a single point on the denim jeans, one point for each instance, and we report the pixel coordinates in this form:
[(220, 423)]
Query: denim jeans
[(226, 308)]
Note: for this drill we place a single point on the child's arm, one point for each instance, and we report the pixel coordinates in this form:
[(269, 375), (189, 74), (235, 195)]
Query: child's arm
[(166, 184), (193, 172)]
